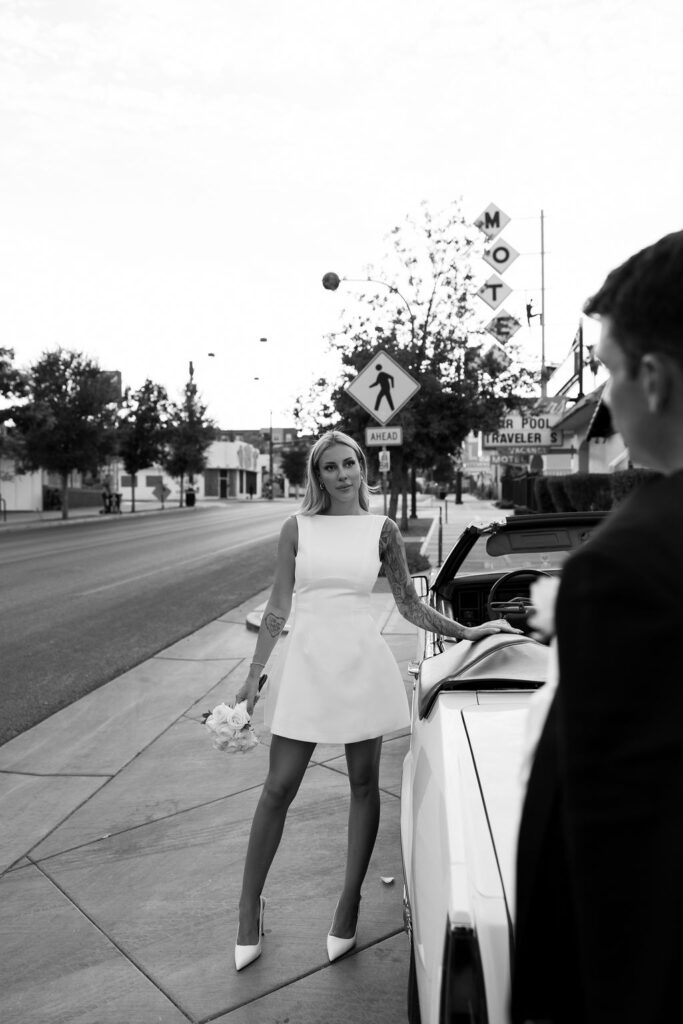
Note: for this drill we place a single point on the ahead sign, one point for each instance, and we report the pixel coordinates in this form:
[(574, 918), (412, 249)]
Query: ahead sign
[(383, 387), (379, 436)]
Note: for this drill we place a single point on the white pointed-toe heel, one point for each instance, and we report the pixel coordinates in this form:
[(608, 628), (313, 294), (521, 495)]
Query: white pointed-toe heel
[(245, 955), (337, 947)]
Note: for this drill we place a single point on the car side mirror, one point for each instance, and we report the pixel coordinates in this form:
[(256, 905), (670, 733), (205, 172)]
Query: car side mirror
[(421, 585)]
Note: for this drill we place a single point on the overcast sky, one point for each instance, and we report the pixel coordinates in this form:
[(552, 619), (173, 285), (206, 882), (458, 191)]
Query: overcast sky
[(177, 175)]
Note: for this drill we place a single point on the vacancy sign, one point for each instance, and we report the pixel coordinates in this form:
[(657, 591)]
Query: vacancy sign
[(382, 387), (380, 436)]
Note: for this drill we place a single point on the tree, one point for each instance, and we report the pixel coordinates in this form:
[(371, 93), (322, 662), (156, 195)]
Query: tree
[(68, 420), (428, 320), (188, 434), (294, 462), (12, 386), (141, 429)]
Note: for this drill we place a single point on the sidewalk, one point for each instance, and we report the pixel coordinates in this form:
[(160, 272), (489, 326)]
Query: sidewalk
[(37, 518), (454, 519), (122, 851)]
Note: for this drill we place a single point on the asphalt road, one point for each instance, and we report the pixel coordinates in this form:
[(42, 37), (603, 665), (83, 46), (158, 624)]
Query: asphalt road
[(82, 603)]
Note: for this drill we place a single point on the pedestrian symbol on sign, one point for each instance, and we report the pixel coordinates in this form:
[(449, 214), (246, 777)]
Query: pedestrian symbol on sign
[(385, 382), (382, 387)]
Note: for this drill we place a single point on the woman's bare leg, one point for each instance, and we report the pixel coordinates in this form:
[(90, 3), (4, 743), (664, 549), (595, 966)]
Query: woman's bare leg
[(288, 762), (362, 760)]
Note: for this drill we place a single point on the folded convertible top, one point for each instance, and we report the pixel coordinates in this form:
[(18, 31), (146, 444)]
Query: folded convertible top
[(501, 661)]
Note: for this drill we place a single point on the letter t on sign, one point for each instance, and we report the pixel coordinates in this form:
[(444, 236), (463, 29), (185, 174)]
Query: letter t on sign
[(494, 291)]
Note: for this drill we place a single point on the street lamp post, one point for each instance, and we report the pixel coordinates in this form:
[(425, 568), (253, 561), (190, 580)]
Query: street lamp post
[(264, 341)]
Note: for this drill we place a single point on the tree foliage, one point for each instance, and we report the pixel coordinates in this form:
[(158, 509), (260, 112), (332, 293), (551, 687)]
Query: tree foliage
[(294, 462), (141, 433), (12, 386), (188, 434), (68, 418), (421, 308)]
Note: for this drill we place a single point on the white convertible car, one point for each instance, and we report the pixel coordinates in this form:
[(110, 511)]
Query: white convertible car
[(461, 788)]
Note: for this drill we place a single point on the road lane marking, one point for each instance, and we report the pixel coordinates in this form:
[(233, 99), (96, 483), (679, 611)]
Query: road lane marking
[(176, 565)]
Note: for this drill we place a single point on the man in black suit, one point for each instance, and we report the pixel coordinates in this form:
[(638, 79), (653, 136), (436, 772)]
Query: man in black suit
[(599, 909)]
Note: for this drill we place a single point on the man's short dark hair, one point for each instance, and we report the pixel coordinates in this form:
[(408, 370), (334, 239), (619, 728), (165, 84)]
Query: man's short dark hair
[(644, 300)]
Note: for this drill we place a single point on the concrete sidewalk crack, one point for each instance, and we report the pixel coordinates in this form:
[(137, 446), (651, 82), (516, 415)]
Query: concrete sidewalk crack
[(117, 946)]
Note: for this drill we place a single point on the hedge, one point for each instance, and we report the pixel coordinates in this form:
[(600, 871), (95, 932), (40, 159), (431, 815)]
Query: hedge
[(558, 494), (588, 492), (542, 497), (627, 480)]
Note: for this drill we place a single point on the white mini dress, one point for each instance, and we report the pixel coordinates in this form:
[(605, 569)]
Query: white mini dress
[(336, 680)]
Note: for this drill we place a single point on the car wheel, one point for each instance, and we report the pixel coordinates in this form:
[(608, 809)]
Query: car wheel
[(413, 998)]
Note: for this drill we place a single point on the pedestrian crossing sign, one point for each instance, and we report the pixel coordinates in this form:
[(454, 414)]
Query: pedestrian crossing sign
[(382, 387)]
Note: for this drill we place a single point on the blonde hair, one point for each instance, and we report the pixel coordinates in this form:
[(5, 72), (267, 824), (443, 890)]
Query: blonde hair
[(317, 500)]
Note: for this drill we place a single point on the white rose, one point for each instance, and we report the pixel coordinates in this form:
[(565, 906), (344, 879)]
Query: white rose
[(543, 595), (218, 716), (238, 716)]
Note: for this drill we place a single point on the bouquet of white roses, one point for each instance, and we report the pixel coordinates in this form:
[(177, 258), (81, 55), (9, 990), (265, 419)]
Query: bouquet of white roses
[(230, 726)]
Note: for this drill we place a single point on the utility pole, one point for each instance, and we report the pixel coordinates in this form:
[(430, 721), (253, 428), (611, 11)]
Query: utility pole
[(544, 382)]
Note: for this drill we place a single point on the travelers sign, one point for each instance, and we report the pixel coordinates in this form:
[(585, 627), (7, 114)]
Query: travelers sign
[(528, 429), (382, 387)]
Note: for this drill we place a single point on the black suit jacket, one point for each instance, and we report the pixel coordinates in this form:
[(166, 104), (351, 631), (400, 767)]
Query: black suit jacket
[(599, 919)]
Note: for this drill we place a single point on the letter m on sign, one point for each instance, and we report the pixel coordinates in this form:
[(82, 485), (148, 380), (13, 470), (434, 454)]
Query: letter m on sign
[(492, 220)]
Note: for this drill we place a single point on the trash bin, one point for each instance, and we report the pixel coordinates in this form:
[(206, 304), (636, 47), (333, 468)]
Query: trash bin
[(189, 497)]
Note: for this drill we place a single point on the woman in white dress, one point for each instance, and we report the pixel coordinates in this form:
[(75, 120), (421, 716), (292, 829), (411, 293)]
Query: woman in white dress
[(338, 681)]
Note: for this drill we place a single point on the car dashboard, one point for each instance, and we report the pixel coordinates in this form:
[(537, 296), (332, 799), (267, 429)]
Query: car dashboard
[(465, 599)]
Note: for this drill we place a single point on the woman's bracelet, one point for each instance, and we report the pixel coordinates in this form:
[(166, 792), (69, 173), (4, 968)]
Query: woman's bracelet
[(259, 664)]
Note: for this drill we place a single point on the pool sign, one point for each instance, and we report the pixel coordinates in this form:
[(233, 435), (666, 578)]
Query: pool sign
[(528, 430), (383, 387)]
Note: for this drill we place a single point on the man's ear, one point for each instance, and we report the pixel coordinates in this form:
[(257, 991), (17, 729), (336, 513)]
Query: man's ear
[(656, 376)]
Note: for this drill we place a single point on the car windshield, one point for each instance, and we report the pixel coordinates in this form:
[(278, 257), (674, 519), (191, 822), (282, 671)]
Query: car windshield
[(479, 560)]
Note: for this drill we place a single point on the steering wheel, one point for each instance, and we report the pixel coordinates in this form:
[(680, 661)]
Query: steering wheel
[(517, 608)]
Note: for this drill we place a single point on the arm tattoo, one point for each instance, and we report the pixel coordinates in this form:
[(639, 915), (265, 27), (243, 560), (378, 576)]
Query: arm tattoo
[(274, 624), (392, 554)]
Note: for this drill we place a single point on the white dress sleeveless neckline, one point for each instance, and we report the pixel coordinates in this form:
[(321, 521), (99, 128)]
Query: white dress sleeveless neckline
[(336, 680)]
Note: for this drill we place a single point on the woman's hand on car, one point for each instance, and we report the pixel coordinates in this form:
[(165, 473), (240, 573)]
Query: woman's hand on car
[(489, 628)]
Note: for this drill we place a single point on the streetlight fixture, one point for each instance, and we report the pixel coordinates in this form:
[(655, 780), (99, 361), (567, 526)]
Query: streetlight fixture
[(331, 282)]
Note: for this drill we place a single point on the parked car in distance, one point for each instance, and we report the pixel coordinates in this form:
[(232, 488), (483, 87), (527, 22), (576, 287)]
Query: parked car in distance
[(461, 789)]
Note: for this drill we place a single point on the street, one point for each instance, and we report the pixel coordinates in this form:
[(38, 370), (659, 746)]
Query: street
[(81, 604)]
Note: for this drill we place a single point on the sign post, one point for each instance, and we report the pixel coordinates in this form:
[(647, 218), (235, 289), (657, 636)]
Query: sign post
[(382, 388)]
